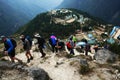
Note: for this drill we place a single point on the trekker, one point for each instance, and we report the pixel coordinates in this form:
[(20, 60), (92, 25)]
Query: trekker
[(74, 38), (70, 46), (60, 45), (53, 43), (87, 48), (9, 49), (26, 47), (41, 44)]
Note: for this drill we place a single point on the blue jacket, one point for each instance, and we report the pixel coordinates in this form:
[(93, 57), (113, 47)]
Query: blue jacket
[(8, 45)]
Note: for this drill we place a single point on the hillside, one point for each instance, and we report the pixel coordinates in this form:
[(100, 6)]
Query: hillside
[(14, 14), (61, 22), (10, 19), (108, 10), (60, 67)]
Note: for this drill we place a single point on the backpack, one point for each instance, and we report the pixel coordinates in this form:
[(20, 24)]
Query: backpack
[(68, 45), (41, 41), (13, 42), (29, 39), (53, 41)]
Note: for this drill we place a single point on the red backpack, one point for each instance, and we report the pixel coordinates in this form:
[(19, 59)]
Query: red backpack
[(68, 45)]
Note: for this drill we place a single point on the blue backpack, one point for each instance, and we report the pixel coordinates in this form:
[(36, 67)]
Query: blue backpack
[(13, 42), (53, 41)]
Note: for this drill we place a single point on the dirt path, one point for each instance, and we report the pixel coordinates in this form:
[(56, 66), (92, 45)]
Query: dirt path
[(57, 68)]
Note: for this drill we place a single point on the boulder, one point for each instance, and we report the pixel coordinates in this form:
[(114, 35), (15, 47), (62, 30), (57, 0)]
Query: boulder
[(21, 72), (104, 56), (38, 74)]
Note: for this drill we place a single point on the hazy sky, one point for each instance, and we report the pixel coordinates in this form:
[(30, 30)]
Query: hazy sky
[(48, 4), (45, 4)]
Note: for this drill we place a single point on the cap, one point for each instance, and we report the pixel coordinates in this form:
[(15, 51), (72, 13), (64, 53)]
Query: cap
[(1, 37), (37, 35)]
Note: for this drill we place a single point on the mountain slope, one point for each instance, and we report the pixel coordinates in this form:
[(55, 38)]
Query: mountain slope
[(108, 10), (14, 14), (62, 22), (9, 18)]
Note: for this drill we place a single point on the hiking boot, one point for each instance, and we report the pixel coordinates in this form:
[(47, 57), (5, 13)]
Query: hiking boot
[(31, 58), (28, 60)]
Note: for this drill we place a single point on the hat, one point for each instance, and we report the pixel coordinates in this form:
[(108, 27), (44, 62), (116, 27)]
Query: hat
[(1, 37), (37, 35)]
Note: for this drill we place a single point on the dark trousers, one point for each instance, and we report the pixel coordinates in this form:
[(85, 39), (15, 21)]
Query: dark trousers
[(41, 50), (54, 48), (71, 50), (86, 52)]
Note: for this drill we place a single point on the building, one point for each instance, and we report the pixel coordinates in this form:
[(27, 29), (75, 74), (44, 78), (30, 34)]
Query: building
[(115, 32)]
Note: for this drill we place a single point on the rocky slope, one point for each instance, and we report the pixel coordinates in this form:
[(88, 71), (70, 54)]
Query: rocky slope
[(59, 67)]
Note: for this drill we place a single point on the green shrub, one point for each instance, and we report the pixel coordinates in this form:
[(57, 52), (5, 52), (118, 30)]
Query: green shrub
[(115, 48), (84, 69), (69, 56)]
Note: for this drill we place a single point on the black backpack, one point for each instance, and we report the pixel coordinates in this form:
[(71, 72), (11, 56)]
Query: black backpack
[(29, 39), (13, 42)]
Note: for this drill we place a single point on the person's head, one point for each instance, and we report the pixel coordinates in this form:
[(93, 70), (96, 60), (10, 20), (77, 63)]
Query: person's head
[(22, 37), (3, 38), (37, 35), (71, 38)]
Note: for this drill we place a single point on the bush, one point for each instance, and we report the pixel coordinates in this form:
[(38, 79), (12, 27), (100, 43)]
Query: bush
[(115, 48), (69, 56), (84, 69)]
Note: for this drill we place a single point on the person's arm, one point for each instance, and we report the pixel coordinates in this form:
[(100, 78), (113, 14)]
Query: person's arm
[(10, 45)]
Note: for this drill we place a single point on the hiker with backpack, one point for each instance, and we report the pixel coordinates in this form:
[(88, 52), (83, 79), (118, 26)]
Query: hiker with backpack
[(74, 38), (60, 45), (41, 44), (9, 49), (70, 46), (87, 47), (53, 43), (26, 47)]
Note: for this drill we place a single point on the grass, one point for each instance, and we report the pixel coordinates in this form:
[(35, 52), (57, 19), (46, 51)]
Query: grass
[(69, 56)]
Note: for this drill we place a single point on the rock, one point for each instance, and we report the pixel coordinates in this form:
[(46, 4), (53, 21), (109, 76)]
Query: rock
[(38, 74), (104, 56), (83, 62), (18, 70)]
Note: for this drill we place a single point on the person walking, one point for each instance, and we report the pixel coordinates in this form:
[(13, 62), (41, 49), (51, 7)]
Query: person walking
[(26, 47), (41, 44), (53, 43), (87, 47), (70, 46), (9, 49)]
